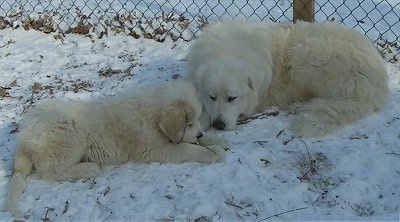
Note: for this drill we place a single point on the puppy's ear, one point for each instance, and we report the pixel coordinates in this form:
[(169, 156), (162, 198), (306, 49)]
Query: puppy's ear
[(250, 83), (173, 121)]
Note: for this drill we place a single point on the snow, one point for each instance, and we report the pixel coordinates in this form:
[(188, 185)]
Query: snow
[(268, 173)]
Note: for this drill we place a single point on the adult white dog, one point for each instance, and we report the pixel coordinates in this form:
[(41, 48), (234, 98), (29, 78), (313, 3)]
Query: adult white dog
[(326, 73), (73, 139)]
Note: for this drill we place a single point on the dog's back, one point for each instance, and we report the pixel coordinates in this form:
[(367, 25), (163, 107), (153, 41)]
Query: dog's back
[(336, 72)]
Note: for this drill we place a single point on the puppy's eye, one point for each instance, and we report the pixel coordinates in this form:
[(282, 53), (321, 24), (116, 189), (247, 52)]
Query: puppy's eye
[(231, 98), (190, 124), (212, 98)]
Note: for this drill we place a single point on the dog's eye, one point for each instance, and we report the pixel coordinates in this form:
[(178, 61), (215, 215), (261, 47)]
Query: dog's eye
[(212, 98), (231, 98), (190, 124)]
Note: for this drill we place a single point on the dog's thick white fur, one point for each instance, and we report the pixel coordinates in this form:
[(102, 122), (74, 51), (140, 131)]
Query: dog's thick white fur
[(326, 73), (73, 139)]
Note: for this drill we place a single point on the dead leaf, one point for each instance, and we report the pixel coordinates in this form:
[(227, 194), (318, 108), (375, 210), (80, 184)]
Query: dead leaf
[(4, 93), (36, 88)]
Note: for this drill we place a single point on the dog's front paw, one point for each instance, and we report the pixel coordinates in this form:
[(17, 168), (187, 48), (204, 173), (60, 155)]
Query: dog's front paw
[(222, 142), (218, 151), (210, 140)]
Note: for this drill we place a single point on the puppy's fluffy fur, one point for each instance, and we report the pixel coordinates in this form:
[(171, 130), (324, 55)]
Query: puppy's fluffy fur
[(326, 73), (73, 139)]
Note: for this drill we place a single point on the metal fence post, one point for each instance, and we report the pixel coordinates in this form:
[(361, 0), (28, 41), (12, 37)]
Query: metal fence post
[(303, 10)]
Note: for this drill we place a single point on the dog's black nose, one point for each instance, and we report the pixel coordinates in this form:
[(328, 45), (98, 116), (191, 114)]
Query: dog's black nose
[(199, 135), (219, 124)]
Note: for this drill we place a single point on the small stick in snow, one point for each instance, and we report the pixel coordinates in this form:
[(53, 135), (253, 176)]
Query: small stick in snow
[(280, 132), (107, 190), (258, 116), (276, 215), (233, 205), (65, 207), (49, 209), (393, 153), (312, 168)]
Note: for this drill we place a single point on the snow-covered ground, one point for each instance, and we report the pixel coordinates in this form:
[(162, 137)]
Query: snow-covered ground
[(268, 174), (352, 174)]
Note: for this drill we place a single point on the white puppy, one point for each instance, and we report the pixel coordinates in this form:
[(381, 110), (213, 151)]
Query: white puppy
[(73, 139), (326, 73)]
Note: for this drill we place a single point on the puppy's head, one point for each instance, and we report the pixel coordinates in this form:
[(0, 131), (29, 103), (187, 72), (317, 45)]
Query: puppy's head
[(227, 95), (179, 122)]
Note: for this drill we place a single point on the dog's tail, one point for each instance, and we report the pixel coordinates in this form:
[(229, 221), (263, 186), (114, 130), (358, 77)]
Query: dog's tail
[(22, 168), (321, 116)]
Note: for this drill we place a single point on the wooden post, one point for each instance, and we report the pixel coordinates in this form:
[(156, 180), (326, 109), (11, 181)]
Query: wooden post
[(303, 10)]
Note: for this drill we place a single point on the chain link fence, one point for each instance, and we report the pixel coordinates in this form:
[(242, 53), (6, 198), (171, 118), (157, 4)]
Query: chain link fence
[(183, 19)]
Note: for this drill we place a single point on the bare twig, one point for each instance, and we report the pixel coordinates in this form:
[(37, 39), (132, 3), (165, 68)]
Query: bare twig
[(393, 153), (49, 209), (109, 215), (108, 188), (364, 136), (233, 205), (311, 169), (351, 206), (288, 141), (288, 211), (258, 116), (31, 102), (65, 207), (266, 162), (261, 142), (355, 210), (280, 132)]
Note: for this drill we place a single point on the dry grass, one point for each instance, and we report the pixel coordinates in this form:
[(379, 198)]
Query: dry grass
[(94, 26)]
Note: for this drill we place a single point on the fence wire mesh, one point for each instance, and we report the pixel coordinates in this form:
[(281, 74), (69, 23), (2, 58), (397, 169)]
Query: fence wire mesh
[(183, 19)]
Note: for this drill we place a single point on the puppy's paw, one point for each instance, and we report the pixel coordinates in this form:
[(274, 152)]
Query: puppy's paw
[(218, 151), (223, 143), (210, 140), (220, 142)]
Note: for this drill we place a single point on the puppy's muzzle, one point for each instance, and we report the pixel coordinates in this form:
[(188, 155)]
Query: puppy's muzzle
[(219, 124), (199, 135)]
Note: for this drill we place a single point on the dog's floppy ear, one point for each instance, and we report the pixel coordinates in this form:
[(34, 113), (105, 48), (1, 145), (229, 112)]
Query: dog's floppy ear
[(173, 120)]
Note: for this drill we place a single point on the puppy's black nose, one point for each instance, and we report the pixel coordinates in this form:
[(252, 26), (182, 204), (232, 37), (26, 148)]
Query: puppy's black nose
[(199, 135), (219, 124)]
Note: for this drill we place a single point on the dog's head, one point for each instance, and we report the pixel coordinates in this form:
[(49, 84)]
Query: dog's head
[(228, 94), (179, 122)]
